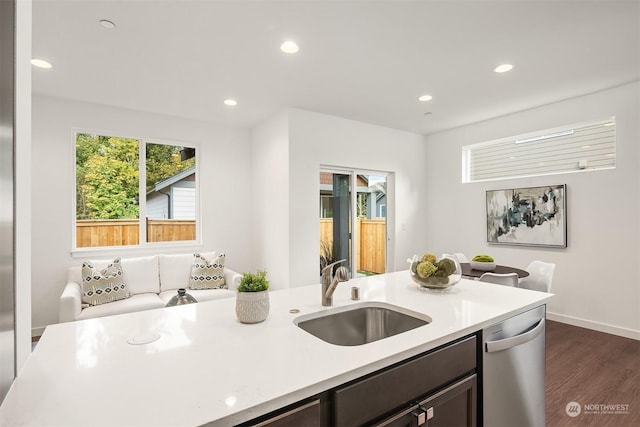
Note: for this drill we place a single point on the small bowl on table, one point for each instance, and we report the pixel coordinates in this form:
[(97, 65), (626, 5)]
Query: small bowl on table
[(482, 265)]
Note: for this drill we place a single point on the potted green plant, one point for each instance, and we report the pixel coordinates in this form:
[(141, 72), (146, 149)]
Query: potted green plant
[(252, 301)]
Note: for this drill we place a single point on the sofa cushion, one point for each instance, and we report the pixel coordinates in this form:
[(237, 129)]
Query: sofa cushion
[(140, 274), (175, 270), (199, 294), (100, 286), (135, 303), (207, 273)]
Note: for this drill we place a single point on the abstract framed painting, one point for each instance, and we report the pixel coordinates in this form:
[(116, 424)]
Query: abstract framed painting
[(532, 216)]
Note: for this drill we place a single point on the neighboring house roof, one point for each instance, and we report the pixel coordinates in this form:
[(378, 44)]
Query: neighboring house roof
[(173, 179), (379, 189)]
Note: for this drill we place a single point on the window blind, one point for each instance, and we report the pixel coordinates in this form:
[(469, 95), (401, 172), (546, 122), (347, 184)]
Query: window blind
[(585, 147)]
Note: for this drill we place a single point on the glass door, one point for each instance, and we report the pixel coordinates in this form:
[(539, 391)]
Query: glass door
[(335, 219), (353, 224)]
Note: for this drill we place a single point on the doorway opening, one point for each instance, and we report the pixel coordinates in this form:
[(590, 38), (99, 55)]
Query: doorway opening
[(353, 224)]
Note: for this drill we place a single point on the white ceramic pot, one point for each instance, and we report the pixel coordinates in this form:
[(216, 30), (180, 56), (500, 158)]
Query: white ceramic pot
[(483, 266), (252, 307)]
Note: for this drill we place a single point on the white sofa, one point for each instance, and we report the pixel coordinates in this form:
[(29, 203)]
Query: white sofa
[(151, 280)]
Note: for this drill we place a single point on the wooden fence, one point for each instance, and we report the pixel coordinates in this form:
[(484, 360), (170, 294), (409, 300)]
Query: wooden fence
[(372, 236), (124, 232)]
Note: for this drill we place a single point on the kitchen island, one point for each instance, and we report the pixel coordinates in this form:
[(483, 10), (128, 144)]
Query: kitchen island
[(196, 364)]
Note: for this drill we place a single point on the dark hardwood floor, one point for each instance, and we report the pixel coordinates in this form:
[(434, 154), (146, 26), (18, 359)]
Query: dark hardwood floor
[(592, 369)]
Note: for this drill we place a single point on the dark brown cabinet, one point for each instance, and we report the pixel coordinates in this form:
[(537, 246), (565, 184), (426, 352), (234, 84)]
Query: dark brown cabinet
[(304, 415), (453, 406), (395, 389), (437, 388)]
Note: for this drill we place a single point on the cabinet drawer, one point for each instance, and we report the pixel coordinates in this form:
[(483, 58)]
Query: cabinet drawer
[(453, 406), (368, 399)]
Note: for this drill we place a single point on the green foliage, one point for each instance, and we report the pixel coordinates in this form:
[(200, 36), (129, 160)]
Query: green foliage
[(447, 266), (254, 282), (432, 258), (107, 174), (426, 269), (483, 258), (326, 254), (430, 267), (163, 161), (361, 205), (106, 177)]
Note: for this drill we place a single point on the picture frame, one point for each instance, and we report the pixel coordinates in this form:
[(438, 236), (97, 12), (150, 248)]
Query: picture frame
[(528, 216)]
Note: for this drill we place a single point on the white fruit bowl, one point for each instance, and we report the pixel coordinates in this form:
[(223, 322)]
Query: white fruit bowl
[(483, 266)]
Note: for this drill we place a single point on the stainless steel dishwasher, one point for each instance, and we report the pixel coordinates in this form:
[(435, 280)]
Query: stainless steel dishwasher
[(513, 371)]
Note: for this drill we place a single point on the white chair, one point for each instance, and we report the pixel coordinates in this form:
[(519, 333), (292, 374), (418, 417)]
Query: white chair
[(507, 279), (540, 276), (461, 257)]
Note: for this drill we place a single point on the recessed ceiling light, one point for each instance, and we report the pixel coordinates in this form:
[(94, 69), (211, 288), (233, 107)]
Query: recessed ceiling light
[(425, 98), (40, 63), (289, 47), (107, 24), (230, 102), (503, 68)]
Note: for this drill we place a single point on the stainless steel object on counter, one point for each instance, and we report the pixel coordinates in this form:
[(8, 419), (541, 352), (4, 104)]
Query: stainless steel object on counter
[(361, 323), (513, 371), (182, 297), (330, 281)]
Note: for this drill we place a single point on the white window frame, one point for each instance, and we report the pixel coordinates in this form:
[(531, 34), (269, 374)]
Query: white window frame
[(143, 246), (525, 145)]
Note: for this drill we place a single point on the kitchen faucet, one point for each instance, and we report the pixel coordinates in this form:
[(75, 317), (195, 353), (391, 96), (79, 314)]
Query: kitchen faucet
[(330, 281)]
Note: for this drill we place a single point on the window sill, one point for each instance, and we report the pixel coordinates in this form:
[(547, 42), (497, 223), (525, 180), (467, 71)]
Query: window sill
[(137, 250)]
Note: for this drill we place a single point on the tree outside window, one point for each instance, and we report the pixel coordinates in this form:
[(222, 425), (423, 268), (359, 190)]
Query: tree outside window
[(108, 200)]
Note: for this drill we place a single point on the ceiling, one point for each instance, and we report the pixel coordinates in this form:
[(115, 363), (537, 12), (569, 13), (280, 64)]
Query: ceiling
[(363, 60)]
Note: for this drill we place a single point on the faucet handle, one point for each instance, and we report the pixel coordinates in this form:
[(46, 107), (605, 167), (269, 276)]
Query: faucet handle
[(342, 274), (330, 266)]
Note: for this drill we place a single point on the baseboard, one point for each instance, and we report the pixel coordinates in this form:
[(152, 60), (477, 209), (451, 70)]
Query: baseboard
[(596, 326)]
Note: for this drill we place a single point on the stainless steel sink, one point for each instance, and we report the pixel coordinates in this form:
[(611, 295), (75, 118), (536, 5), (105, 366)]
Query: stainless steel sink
[(360, 323)]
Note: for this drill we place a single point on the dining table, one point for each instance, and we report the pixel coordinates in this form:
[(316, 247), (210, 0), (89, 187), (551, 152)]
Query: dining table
[(500, 269)]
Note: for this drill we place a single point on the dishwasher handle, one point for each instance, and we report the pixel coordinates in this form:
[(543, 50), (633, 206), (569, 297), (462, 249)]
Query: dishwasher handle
[(506, 343)]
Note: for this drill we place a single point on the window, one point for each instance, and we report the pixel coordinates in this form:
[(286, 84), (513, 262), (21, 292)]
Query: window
[(111, 175), (585, 146)]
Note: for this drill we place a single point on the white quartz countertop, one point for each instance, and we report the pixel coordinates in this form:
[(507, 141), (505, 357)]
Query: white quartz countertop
[(206, 367)]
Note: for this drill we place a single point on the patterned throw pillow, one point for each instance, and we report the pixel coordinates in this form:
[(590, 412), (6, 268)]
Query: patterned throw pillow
[(103, 286), (207, 275)]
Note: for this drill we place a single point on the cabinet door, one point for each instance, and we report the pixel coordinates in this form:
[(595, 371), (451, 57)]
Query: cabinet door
[(453, 406), (307, 415), (362, 401)]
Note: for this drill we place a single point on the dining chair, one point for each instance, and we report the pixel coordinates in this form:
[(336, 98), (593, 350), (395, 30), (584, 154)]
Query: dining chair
[(461, 257), (507, 279), (540, 276)]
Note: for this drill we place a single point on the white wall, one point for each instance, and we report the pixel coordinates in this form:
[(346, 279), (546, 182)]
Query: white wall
[(318, 139), (270, 199), (224, 177), (595, 282)]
